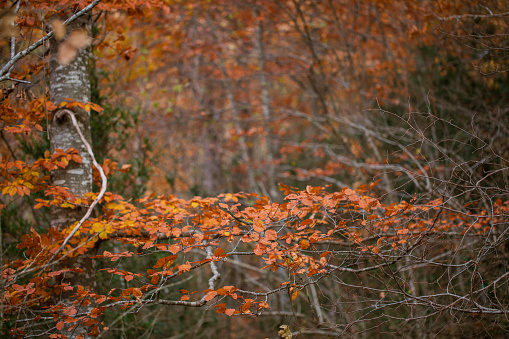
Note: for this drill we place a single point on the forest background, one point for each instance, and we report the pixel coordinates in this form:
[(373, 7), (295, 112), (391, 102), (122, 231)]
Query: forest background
[(234, 169)]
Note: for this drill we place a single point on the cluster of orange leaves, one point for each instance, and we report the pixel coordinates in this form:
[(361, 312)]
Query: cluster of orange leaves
[(282, 235)]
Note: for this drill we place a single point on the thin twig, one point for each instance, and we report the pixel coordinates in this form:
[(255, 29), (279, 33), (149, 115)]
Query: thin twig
[(5, 71)]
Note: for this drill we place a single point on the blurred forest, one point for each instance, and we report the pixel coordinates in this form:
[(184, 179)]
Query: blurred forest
[(340, 167)]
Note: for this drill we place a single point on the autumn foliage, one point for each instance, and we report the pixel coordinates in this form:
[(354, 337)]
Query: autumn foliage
[(336, 167)]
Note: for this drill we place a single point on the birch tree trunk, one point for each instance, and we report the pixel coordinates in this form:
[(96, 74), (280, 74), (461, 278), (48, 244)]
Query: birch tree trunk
[(72, 81)]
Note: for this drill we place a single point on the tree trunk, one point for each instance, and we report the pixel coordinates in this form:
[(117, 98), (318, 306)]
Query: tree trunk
[(72, 81)]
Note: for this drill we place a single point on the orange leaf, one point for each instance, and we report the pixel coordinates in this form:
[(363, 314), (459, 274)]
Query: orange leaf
[(125, 168), (259, 249), (271, 235), (137, 292), (18, 287), (77, 158), (258, 226), (128, 277), (230, 311), (60, 325), (70, 311), (51, 107), (163, 261), (154, 279), (403, 231), (246, 306), (185, 267), (295, 294), (306, 222), (95, 312), (174, 248), (211, 295), (304, 244)]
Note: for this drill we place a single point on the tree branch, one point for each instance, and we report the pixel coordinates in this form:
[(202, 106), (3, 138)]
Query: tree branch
[(6, 70)]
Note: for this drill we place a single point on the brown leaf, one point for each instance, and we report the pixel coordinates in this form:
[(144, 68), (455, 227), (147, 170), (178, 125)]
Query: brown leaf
[(67, 50), (58, 29), (79, 38), (66, 53), (7, 17)]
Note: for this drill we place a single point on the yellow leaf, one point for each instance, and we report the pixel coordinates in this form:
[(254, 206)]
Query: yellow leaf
[(67, 205), (12, 190), (5, 190), (114, 206), (285, 332), (97, 227)]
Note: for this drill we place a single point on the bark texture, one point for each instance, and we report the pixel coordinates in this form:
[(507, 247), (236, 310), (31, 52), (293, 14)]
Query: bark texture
[(72, 81)]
